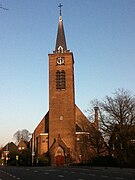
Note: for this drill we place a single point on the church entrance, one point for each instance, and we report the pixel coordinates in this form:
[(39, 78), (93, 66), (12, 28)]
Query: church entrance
[(59, 157)]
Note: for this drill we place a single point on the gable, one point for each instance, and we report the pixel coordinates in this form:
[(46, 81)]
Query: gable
[(10, 146), (43, 126), (81, 121)]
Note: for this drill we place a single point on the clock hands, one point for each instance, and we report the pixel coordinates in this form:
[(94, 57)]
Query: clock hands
[(60, 61)]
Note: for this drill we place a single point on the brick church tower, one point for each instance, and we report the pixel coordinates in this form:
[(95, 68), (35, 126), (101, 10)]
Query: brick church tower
[(61, 93), (63, 131)]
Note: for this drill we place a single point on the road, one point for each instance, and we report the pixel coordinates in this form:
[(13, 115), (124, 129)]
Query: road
[(65, 173)]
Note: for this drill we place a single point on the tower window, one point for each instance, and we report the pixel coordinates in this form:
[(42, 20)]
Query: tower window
[(60, 49), (60, 80)]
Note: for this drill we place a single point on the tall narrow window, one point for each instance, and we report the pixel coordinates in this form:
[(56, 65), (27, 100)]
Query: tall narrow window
[(60, 80), (63, 83)]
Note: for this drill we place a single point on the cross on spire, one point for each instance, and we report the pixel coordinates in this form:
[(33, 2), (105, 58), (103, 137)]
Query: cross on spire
[(61, 40), (60, 6)]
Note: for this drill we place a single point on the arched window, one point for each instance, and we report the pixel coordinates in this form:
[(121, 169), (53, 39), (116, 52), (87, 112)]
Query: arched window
[(60, 80), (60, 49)]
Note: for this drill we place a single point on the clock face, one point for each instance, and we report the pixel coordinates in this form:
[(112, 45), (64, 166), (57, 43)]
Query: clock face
[(60, 61)]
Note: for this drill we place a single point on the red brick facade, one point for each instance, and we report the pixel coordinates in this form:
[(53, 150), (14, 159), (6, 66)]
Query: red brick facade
[(61, 132), (62, 101)]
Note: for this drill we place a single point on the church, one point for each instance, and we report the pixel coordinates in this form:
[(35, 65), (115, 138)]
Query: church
[(64, 131)]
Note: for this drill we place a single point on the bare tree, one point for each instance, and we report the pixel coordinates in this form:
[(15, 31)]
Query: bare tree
[(97, 143), (119, 110), (17, 136), (116, 110), (22, 134), (117, 122), (25, 134), (91, 141)]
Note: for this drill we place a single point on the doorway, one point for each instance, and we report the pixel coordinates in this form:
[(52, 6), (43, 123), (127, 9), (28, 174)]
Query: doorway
[(59, 157)]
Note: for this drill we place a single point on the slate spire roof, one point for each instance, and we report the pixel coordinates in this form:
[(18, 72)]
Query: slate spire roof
[(60, 46)]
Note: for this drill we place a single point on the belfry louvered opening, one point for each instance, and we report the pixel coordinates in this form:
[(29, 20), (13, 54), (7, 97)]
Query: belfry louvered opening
[(60, 80)]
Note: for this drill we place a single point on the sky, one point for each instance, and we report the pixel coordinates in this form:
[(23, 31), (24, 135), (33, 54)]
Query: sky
[(101, 35)]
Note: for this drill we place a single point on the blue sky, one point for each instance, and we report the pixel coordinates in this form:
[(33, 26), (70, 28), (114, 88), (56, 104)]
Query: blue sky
[(101, 35)]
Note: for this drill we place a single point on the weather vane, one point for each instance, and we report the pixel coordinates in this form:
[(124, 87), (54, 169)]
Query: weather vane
[(60, 6)]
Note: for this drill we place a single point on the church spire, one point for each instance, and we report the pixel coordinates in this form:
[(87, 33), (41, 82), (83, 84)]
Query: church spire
[(61, 40)]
